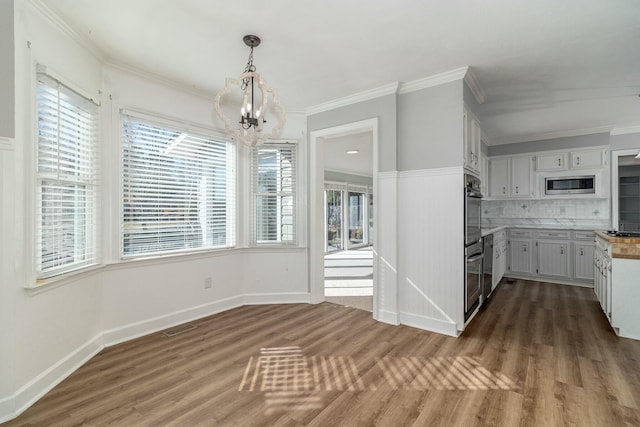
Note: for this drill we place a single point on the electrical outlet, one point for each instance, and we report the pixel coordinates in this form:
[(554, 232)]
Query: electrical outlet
[(208, 283)]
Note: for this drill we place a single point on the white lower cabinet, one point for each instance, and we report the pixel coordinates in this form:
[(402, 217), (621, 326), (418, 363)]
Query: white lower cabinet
[(499, 267), (520, 257), (562, 256), (554, 259), (583, 254)]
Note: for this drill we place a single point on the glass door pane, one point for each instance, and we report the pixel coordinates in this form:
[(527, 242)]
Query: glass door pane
[(334, 220), (356, 218)]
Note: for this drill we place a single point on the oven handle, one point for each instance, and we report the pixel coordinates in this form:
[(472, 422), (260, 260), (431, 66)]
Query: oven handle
[(475, 258)]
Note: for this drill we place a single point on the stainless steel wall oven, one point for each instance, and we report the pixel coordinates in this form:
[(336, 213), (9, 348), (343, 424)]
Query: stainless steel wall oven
[(472, 244)]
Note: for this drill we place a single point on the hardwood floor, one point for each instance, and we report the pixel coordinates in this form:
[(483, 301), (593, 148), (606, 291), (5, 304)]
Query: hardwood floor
[(538, 355)]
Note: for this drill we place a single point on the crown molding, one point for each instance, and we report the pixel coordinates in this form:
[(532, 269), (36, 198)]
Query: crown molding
[(551, 135), (435, 80), (53, 17), (6, 144), (167, 82), (472, 82), (625, 130), (388, 89)]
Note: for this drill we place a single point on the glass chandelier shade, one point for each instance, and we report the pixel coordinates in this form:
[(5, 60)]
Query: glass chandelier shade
[(257, 100)]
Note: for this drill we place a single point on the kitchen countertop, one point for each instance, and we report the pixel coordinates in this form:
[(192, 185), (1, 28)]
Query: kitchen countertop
[(622, 247), (493, 229)]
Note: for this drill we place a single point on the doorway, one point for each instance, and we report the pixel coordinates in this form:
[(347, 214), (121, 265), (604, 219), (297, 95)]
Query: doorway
[(625, 194), (342, 217)]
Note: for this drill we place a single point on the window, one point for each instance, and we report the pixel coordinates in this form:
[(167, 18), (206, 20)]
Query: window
[(178, 189), (274, 193), (67, 179)]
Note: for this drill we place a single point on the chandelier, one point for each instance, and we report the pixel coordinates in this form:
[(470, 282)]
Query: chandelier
[(256, 100)]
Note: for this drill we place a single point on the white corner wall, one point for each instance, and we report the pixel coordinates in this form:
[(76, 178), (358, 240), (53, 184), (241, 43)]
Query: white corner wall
[(431, 254)]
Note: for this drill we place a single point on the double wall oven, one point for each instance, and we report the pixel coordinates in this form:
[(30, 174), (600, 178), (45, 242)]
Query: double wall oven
[(472, 244)]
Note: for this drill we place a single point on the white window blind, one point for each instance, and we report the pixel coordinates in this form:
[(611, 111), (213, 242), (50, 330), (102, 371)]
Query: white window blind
[(67, 179), (274, 174), (178, 189)]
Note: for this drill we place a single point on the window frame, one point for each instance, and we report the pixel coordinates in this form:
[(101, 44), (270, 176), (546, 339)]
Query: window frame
[(294, 194), (91, 182), (175, 124)]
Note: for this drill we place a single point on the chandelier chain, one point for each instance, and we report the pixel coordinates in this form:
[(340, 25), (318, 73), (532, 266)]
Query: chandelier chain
[(248, 68)]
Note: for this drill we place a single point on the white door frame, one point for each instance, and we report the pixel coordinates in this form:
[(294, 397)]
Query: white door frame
[(316, 199)]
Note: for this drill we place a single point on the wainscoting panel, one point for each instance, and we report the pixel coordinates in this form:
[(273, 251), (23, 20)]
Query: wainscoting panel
[(385, 260), (430, 222)]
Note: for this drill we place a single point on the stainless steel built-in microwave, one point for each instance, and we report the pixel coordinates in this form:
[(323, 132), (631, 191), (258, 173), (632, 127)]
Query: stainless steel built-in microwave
[(570, 185)]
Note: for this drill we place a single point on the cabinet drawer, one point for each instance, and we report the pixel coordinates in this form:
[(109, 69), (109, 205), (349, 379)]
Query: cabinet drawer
[(516, 232), (553, 234), (583, 235)]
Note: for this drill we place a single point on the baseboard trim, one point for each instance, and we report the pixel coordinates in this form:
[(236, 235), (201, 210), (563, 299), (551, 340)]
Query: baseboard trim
[(429, 324), (389, 317), (31, 392), (150, 326)]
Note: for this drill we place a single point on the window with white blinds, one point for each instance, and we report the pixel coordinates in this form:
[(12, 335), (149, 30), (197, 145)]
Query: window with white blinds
[(274, 174), (178, 189), (67, 179)]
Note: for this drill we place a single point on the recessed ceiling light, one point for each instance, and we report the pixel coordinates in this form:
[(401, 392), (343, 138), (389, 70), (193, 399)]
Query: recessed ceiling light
[(353, 151)]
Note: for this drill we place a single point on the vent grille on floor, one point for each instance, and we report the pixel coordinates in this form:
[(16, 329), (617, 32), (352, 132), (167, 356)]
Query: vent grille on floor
[(180, 329)]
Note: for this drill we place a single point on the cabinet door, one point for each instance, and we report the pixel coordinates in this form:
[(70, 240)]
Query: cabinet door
[(583, 261), (554, 259), (471, 137), (499, 177), (551, 162), (521, 176), (587, 159), (520, 257)]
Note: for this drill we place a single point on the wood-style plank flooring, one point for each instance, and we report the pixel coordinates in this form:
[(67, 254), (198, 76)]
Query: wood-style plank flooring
[(538, 355)]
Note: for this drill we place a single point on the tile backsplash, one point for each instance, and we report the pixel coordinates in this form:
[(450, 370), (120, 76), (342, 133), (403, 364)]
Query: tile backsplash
[(570, 213)]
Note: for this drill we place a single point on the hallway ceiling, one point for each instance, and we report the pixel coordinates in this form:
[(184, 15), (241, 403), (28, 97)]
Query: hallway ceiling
[(547, 68)]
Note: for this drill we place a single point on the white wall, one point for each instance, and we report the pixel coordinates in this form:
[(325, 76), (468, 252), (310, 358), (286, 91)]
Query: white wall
[(7, 70), (48, 332)]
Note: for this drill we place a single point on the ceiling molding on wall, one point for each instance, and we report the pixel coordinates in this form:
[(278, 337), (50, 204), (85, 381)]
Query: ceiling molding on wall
[(472, 82), (119, 66), (6, 144), (552, 135), (73, 33), (435, 80), (389, 89), (625, 130)]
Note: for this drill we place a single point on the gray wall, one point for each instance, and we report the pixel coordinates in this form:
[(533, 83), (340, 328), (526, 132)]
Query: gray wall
[(625, 142), (566, 143), (7, 67), (384, 108), (345, 177), (430, 125)]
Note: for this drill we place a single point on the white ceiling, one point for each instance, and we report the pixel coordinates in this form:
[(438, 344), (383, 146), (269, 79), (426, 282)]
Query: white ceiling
[(547, 68), (336, 157)]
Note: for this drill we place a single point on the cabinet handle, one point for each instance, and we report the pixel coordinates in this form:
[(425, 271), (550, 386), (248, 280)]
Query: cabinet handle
[(504, 190), (561, 251), (578, 160), (524, 249), (559, 161), (516, 189), (581, 252)]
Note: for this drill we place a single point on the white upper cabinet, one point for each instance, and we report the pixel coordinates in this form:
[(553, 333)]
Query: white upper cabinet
[(587, 159), (551, 162), (499, 177), (471, 137), (521, 177), (511, 177)]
